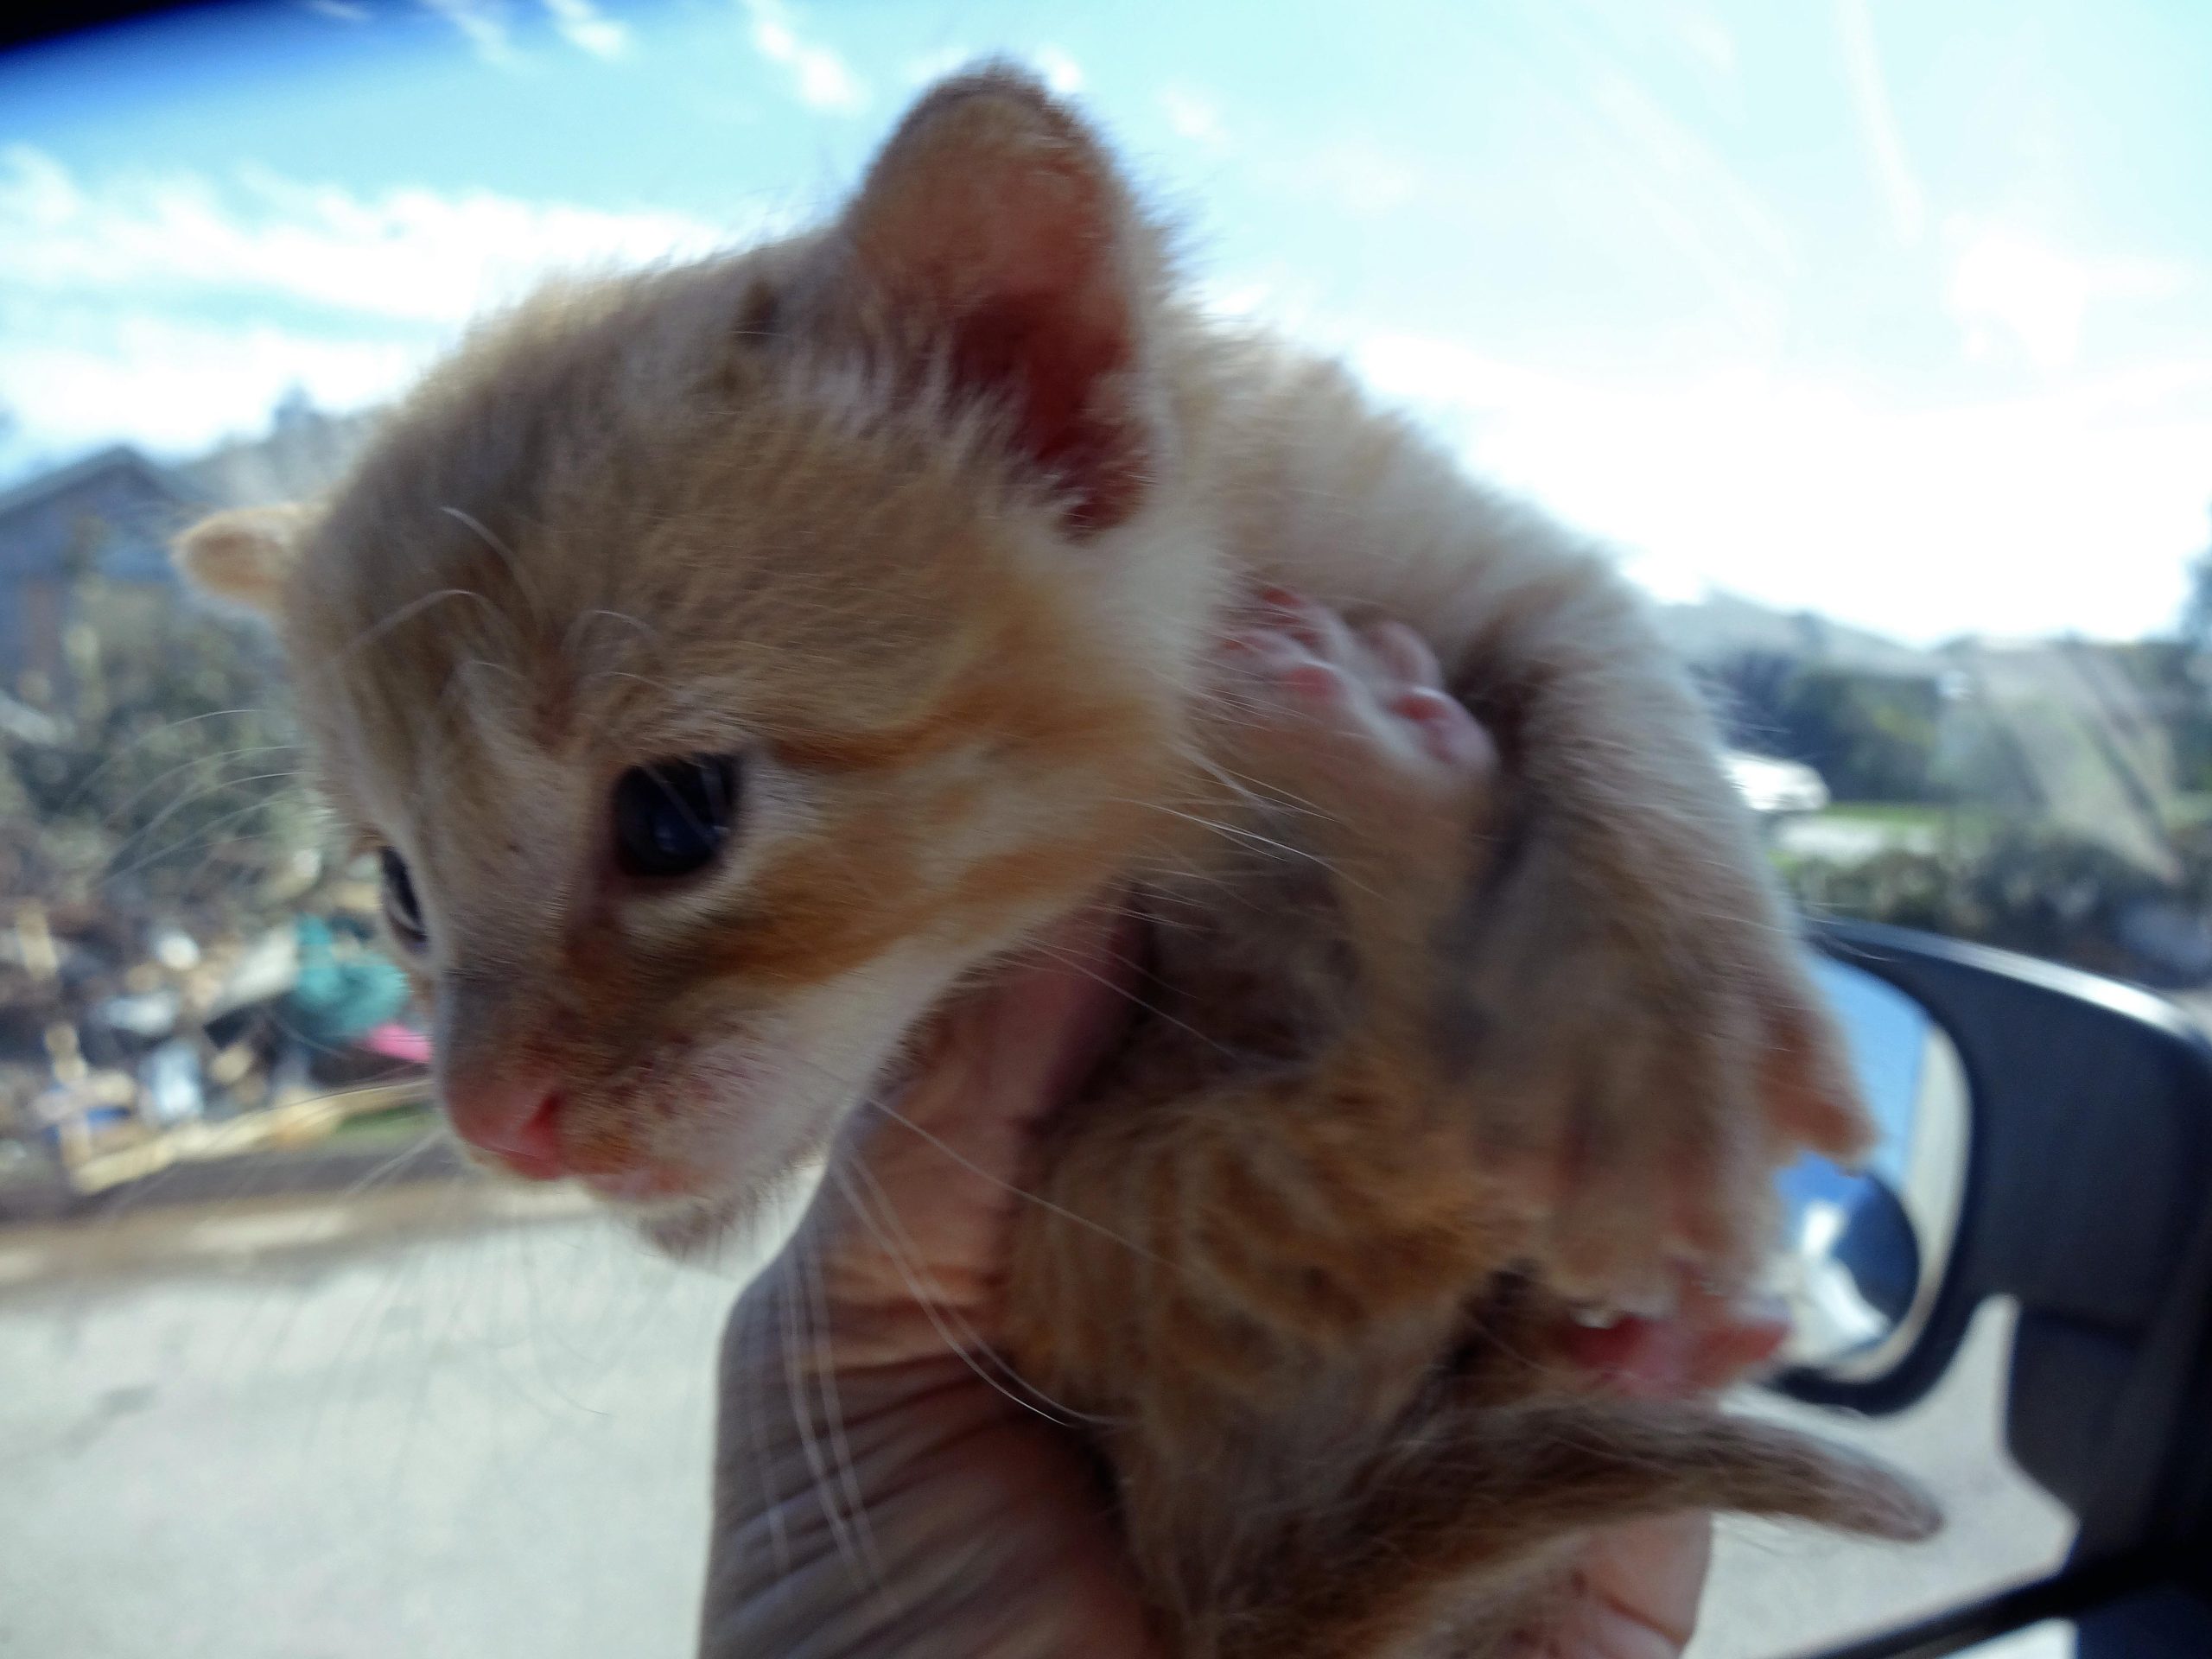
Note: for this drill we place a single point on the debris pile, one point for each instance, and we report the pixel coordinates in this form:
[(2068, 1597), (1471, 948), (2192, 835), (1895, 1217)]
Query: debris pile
[(185, 971)]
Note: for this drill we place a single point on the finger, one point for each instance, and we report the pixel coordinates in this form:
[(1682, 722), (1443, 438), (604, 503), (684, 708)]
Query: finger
[(1638, 1590), (916, 1205), (1021, 1043), (1064, 1004)]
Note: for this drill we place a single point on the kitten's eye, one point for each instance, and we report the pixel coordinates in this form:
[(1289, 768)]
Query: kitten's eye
[(400, 904), (672, 817)]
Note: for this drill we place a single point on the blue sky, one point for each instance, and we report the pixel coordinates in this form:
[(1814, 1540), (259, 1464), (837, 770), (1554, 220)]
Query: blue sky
[(1899, 312)]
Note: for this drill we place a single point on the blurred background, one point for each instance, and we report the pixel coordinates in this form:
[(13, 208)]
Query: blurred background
[(1876, 338)]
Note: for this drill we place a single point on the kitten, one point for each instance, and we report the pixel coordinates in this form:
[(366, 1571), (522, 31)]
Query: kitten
[(730, 661), (1342, 1421)]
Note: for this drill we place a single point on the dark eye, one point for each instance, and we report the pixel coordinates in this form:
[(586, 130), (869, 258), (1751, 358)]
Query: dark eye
[(672, 816), (400, 904)]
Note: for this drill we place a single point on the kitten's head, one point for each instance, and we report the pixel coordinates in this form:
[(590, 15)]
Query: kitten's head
[(726, 660)]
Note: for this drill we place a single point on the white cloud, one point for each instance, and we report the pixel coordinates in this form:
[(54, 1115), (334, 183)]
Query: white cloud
[(1923, 523), (172, 308), (487, 25), (2005, 283), (2009, 284), (79, 377), (588, 28), (1057, 69), (407, 254), (1194, 116), (483, 23), (822, 79)]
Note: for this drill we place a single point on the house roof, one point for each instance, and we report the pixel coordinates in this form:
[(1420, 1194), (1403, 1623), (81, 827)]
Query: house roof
[(1724, 625), (119, 457)]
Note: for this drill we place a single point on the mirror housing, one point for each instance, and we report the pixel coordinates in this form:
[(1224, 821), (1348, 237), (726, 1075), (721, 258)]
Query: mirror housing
[(1865, 1252), (2087, 1198)]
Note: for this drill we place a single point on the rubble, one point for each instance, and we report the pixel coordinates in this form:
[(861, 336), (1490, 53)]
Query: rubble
[(135, 1058), (186, 972)]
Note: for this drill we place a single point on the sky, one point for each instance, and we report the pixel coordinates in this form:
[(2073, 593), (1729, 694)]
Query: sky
[(1897, 312)]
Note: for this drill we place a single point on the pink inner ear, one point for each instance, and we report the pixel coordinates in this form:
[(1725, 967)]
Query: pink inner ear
[(995, 221), (1061, 371)]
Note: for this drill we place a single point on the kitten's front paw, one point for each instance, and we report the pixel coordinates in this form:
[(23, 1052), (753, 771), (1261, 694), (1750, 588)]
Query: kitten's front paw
[(1642, 1091)]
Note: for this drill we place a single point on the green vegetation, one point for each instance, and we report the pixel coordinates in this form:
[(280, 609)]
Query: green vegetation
[(2052, 798), (394, 1124)]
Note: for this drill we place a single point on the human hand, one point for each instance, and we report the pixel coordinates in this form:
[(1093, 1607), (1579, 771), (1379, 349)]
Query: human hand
[(883, 1486)]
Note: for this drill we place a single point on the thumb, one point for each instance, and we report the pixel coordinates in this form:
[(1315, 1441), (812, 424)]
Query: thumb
[(1023, 1043)]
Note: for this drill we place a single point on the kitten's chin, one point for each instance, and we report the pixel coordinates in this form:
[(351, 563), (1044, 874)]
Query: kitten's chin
[(690, 1230), (745, 1225)]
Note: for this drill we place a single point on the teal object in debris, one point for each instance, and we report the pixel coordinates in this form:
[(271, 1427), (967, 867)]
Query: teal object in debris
[(341, 991)]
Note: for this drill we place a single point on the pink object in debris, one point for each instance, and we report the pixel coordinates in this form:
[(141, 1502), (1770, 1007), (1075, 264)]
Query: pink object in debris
[(398, 1042)]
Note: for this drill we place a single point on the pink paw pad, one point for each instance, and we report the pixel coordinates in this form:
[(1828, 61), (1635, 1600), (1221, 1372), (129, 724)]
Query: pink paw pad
[(1303, 621), (1447, 730), (1317, 684)]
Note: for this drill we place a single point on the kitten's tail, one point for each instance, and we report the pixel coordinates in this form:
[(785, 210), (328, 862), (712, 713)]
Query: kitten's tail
[(1459, 1516)]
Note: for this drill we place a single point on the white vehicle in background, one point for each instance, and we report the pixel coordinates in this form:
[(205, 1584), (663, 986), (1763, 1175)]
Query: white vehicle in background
[(1773, 787)]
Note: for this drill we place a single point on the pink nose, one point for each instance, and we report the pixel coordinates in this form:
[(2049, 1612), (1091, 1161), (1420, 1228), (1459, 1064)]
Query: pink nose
[(516, 1119)]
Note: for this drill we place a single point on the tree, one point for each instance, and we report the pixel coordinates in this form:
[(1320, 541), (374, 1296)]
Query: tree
[(169, 788), (1871, 737), (2196, 629)]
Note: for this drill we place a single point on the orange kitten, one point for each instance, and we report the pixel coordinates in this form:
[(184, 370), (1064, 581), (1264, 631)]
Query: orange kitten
[(732, 660), (1340, 1413)]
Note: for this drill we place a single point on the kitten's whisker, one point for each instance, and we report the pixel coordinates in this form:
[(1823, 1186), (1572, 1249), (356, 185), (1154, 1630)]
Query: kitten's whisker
[(390, 1169), (1007, 1187), (476, 527), (645, 680), (840, 1450), (439, 728), (802, 1410), (1067, 958), (194, 797), (963, 1341), (101, 770), (764, 1466), (145, 789), (570, 644), (1235, 832), (413, 608), (207, 832), (1258, 791)]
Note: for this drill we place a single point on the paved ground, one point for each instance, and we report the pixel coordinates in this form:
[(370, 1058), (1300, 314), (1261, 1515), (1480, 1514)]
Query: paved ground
[(436, 1424)]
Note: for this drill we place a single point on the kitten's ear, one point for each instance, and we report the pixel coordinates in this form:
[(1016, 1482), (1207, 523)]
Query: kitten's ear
[(244, 554), (995, 229)]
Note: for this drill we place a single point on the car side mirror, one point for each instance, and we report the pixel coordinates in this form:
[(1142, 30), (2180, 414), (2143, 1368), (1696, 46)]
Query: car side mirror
[(1865, 1252), (2047, 1136)]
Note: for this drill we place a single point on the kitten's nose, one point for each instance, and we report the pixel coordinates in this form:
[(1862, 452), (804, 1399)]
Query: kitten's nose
[(514, 1119)]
